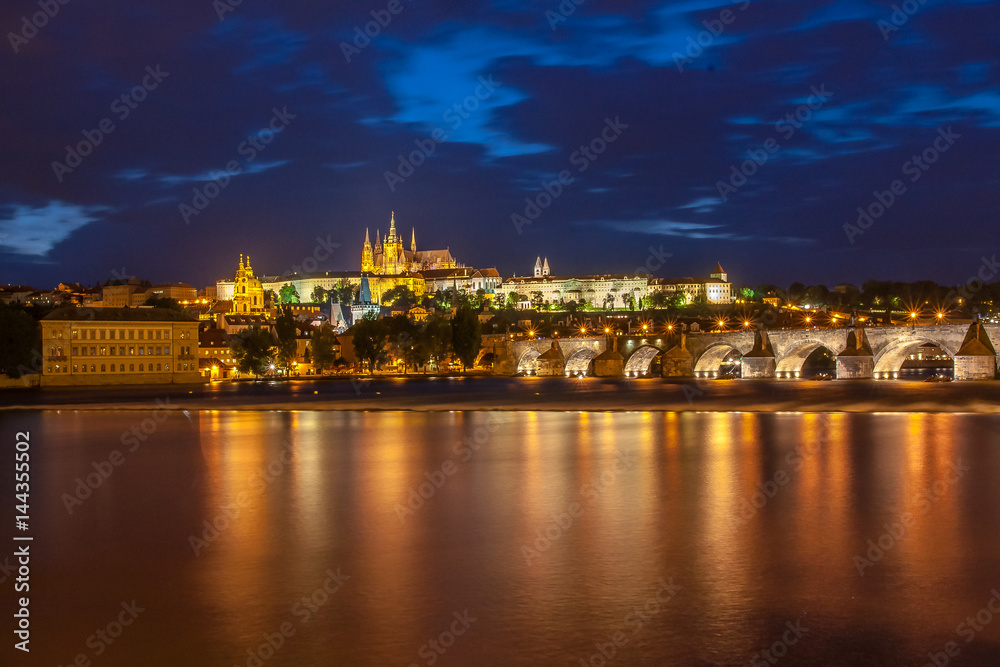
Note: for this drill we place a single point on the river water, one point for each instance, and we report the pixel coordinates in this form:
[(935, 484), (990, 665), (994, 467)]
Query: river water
[(509, 538)]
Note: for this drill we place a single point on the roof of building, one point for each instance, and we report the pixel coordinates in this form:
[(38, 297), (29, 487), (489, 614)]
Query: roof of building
[(542, 279), (183, 285), (118, 315), (213, 338), (237, 320), (718, 268), (688, 281)]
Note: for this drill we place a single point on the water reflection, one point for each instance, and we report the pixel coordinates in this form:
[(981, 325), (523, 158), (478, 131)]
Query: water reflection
[(548, 528)]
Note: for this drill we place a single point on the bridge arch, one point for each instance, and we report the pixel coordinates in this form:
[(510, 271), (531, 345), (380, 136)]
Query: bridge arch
[(640, 361), (794, 358), (889, 360), (528, 363), (713, 356), (578, 362)]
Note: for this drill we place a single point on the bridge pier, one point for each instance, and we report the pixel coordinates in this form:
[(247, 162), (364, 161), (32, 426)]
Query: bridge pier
[(977, 359), (677, 362), (856, 361), (760, 361)]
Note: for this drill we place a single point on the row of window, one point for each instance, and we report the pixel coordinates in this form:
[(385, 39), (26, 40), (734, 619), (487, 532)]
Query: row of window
[(143, 368), (120, 334), (110, 351)]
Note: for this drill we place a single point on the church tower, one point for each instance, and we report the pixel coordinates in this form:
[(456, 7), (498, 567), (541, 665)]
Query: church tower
[(393, 250), (545, 267), (413, 241), (367, 256), (248, 294), (538, 267)]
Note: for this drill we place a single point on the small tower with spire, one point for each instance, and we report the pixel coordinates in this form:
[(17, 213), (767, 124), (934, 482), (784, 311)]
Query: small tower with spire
[(538, 267), (719, 273), (413, 240), (545, 267), (367, 256)]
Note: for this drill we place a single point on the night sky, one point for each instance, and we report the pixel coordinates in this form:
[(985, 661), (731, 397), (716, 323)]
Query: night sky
[(834, 98)]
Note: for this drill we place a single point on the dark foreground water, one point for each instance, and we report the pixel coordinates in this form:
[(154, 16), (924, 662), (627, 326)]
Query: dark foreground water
[(345, 538)]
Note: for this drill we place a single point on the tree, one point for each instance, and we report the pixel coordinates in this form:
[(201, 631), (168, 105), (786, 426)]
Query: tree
[(284, 327), (19, 340), (514, 298), (344, 293), (369, 340), (163, 302), (537, 299), (403, 337), (436, 338), (288, 294), (319, 295), (322, 344), (466, 336), (251, 349), (400, 296)]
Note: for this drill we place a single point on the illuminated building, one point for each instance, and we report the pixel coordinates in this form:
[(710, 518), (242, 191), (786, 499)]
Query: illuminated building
[(119, 346), (600, 291), (389, 258), (714, 289)]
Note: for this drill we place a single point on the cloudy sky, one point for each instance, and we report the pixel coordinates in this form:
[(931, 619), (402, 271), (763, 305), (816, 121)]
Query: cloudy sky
[(684, 133)]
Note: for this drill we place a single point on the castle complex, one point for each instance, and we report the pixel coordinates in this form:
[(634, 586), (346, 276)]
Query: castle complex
[(389, 258)]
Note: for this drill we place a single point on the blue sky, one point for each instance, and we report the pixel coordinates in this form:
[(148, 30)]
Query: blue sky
[(498, 99)]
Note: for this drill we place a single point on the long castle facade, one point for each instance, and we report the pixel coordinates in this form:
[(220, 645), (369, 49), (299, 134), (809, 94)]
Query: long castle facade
[(388, 257)]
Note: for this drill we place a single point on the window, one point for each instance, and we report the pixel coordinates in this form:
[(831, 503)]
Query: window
[(166, 350), (131, 334), (157, 366), (121, 368), (93, 368), (75, 368), (76, 334), (121, 334), (102, 368), (131, 350), (131, 367), (142, 350), (93, 351), (121, 351), (167, 366), (104, 350), (140, 334), (140, 368), (149, 350), (76, 350)]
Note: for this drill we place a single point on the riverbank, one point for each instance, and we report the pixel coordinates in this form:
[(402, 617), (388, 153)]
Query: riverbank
[(550, 394)]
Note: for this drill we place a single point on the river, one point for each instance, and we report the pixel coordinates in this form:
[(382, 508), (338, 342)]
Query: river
[(258, 538)]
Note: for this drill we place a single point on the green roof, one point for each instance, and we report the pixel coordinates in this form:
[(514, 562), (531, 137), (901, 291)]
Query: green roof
[(73, 314)]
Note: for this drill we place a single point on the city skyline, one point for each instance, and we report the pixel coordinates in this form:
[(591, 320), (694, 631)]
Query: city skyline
[(710, 129)]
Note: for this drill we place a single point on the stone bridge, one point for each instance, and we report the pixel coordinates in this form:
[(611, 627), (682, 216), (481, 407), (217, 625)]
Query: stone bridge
[(870, 352)]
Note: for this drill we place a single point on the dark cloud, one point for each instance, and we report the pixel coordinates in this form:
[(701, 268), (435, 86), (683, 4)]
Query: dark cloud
[(515, 95)]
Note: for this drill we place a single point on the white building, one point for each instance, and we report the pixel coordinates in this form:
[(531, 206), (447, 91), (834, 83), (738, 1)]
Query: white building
[(714, 289), (612, 290), (466, 280)]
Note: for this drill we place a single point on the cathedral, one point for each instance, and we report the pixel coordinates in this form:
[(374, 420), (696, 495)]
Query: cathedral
[(388, 257)]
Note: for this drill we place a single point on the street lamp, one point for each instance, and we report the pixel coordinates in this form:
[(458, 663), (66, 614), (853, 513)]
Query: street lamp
[(913, 320)]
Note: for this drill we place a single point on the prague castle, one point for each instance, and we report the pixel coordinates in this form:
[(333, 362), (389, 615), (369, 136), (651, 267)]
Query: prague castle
[(389, 258)]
